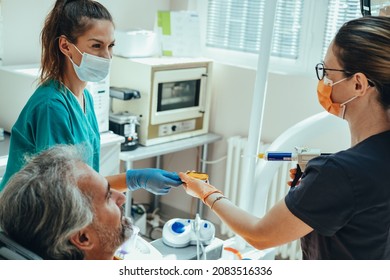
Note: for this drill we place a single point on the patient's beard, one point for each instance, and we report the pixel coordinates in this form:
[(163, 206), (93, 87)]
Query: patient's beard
[(111, 239)]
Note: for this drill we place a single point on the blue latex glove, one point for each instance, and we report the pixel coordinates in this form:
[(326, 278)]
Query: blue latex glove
[(154, 180)]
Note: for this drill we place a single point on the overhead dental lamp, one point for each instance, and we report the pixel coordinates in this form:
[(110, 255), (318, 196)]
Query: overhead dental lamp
[(375, 7)]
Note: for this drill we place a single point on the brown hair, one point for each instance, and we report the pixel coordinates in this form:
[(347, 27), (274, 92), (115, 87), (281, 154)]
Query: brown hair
[(362, 45), (70, 18)]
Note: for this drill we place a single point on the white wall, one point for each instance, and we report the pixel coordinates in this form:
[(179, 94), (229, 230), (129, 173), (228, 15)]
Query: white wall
[(23, 21), (289, 98)]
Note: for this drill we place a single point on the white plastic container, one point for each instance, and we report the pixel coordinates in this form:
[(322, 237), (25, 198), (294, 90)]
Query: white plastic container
[(136, 43)]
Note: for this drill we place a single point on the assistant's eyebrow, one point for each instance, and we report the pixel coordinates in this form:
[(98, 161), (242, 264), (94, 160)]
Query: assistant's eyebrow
[(96, 40), (100, 41)]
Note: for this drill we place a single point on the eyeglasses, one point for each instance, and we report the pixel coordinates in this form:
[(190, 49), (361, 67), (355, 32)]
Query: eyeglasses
[(321, 71)]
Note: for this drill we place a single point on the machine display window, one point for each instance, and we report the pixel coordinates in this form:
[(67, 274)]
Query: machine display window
[(178, 95)]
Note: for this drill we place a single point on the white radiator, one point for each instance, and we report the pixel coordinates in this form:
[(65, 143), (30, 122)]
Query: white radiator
[(235, 150), (278, 189)]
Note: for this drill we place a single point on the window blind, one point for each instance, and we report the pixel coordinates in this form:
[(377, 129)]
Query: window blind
[(237, 25), (339, 12), (1, 37)]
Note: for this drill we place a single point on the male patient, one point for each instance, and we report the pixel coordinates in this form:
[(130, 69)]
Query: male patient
[(60, 208)]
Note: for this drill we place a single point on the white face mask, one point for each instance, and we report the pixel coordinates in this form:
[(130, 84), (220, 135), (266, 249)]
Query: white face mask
[(92, 68)]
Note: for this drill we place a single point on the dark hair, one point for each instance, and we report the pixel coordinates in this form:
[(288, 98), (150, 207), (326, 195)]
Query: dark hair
[(362, 45), (70, 18)]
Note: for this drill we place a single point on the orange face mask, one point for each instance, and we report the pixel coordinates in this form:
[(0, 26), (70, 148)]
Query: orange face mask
[(324, 93)]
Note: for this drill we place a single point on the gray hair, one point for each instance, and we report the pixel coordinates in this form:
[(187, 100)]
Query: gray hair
[(41, 207)]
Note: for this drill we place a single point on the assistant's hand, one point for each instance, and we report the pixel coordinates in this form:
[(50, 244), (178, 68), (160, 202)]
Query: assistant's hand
[(154, 180), (197, 188)]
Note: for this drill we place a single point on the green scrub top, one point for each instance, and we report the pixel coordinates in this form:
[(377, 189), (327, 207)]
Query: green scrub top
[(53, 116)]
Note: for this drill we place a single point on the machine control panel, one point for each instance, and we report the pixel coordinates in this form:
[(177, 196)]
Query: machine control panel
[(176, 127)]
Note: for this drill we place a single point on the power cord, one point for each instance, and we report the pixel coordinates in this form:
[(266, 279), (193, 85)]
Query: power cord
[(152, 233), (214, 161), (155, 221)]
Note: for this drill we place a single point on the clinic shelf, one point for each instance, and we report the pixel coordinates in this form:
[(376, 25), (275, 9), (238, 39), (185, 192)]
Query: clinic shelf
[(143, 152)]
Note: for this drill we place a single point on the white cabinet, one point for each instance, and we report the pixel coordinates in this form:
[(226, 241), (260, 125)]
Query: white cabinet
[(110, 147)]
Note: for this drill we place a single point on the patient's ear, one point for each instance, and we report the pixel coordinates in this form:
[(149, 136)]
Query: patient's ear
[(82, 240)]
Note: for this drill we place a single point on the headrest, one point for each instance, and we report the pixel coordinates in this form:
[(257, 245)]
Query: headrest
[(10, 250)]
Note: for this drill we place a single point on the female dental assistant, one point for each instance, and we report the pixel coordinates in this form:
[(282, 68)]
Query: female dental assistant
[(341, 208), (77, 43)]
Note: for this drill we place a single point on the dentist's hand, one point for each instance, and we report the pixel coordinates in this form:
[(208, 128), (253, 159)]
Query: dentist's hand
[(154, 180), (197, 188), (293, 173)]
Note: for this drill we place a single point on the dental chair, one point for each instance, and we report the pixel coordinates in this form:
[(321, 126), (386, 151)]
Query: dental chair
[(10, 250), (321, 131)]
